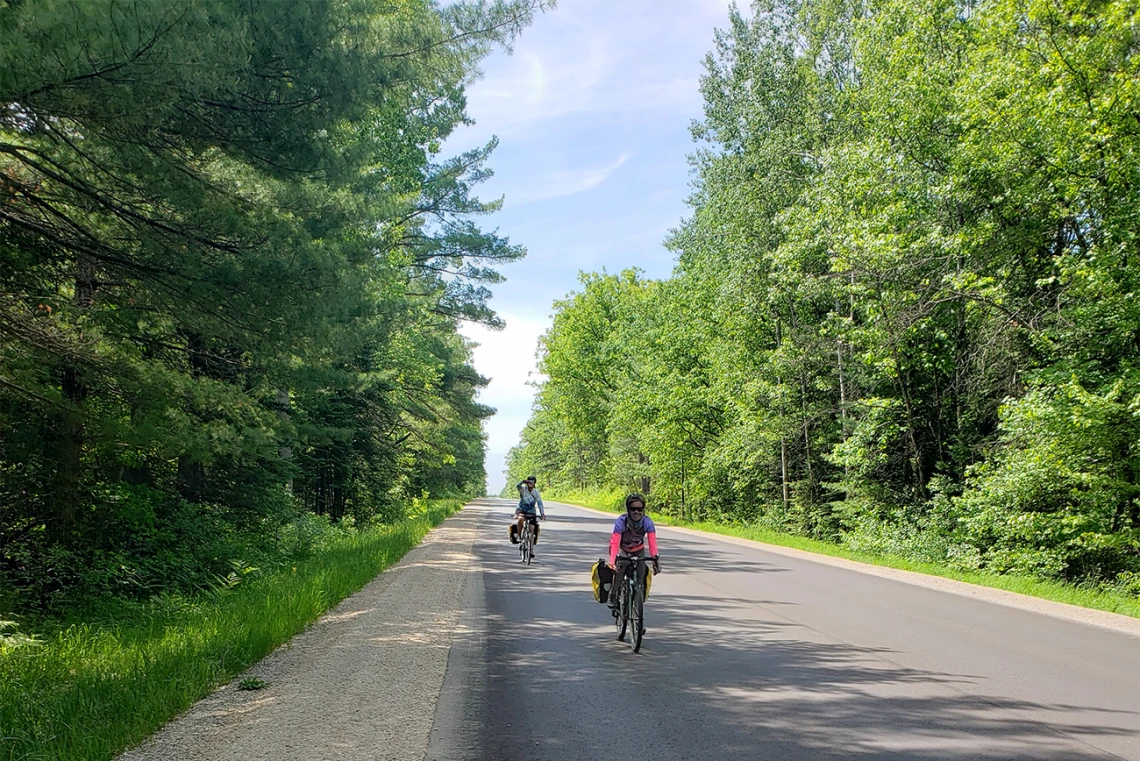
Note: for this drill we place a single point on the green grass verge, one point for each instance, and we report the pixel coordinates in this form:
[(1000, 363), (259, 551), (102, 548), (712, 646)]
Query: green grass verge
[(90, 691), (1098, 599)]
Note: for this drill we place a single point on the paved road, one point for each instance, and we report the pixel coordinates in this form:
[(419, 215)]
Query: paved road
[(755, 655)]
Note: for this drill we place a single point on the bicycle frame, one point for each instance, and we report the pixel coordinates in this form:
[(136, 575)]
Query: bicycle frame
[(526, 537), (631, 600)]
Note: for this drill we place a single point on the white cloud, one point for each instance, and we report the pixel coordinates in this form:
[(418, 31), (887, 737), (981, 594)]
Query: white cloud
[(589, 84), (597, 57), (507, 358), (567, 182)]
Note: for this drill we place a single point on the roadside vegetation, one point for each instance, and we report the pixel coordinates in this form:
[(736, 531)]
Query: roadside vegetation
[(903, 320), (87, 689), (233, 264), (1086, 595)]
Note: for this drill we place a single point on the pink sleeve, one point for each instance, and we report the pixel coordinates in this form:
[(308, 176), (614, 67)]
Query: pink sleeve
[(652, 537), (615, 542)]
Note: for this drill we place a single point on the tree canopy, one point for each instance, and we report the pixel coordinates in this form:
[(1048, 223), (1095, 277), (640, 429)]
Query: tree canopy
[(233, 260), (904, 310)]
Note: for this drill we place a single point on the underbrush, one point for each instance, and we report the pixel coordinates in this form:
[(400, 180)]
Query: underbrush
[(906, 549), (86, 686)]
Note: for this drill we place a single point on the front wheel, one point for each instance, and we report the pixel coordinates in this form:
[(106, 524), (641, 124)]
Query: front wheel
[(623, 612), (637, 608)]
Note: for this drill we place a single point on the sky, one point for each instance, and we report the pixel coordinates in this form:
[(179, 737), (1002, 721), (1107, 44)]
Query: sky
[(592, 110)]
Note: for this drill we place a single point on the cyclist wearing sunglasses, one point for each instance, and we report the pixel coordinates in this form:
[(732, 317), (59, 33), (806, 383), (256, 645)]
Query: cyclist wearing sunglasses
[(529, 501), (633, 533)]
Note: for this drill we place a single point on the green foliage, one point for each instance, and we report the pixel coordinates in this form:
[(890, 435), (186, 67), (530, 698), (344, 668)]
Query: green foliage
[(232, 266), (252, 683), (903, 315), (94, 688), (1060, 497), (11, 637)]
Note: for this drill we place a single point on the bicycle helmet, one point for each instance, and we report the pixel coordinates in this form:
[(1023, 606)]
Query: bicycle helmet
[(635, 497)]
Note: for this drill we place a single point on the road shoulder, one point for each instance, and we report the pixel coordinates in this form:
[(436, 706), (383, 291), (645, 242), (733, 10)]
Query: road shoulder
[(362, 683)]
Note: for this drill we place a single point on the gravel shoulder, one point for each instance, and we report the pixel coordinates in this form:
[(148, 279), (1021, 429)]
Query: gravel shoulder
[(362, 683)]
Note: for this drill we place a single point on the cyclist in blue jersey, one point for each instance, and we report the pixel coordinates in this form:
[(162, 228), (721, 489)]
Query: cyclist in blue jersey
[(530, 508)]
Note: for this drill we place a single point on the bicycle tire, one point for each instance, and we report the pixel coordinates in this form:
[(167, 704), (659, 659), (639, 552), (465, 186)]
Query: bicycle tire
[(623, 611), (636, 616), (615, 592)]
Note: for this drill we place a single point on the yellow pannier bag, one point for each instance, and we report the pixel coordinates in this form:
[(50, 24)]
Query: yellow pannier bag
[(602, 577)]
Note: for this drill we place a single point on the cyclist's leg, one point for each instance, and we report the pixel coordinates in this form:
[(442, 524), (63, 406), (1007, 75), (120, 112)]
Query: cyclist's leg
[(533, 525), (619, 577), (643, 572)]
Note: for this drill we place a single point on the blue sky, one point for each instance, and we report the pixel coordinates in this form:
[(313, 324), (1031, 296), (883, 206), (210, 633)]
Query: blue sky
[(592, 111)]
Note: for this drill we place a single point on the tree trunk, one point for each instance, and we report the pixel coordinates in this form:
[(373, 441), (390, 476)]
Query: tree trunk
[(69, 451), (69, 445), (842, 400), (285, 452), (683, 487), (784, 470), (783, 440)]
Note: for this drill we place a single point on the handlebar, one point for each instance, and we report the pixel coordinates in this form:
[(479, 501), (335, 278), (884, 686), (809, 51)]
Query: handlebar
[(639, 559)]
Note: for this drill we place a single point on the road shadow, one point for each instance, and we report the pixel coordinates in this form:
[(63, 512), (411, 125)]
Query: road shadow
[(566, 534), (724, 676)]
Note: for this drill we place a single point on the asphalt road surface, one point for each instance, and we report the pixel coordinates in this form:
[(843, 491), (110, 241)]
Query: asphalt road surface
[(751, 654)]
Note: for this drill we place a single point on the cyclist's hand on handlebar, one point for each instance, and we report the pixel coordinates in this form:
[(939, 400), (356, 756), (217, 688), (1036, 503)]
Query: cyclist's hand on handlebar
[(656, 566), (542, 517)]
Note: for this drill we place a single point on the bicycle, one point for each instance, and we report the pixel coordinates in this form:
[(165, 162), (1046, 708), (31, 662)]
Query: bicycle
[(526, 539), (631, 602)]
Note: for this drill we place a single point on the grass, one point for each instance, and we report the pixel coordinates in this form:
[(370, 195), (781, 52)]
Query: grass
[(252, 683), (1086, 597), (89, 691)]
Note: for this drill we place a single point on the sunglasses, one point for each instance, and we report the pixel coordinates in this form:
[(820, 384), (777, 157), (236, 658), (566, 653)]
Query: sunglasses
[(637, 509)]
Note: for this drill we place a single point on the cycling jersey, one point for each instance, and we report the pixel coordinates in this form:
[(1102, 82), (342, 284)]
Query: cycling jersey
[(529, 499), (631, 538)]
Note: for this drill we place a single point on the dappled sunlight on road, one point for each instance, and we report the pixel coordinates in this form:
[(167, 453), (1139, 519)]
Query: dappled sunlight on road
[(731, 660)]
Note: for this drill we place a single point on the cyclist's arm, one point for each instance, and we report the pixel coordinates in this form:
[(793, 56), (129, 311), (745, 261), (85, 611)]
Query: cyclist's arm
[(615, 543), (651, 538), (538, 501)]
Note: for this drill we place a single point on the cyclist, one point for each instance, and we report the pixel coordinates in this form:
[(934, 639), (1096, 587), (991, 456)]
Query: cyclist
[(529, 499), (633, 533)]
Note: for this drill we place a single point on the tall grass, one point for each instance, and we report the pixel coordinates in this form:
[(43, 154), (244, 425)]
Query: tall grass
[(89, 691), (1098, 598)]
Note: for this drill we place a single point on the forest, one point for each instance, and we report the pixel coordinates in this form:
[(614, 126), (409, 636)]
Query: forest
[(234, 256), (904, 314)]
